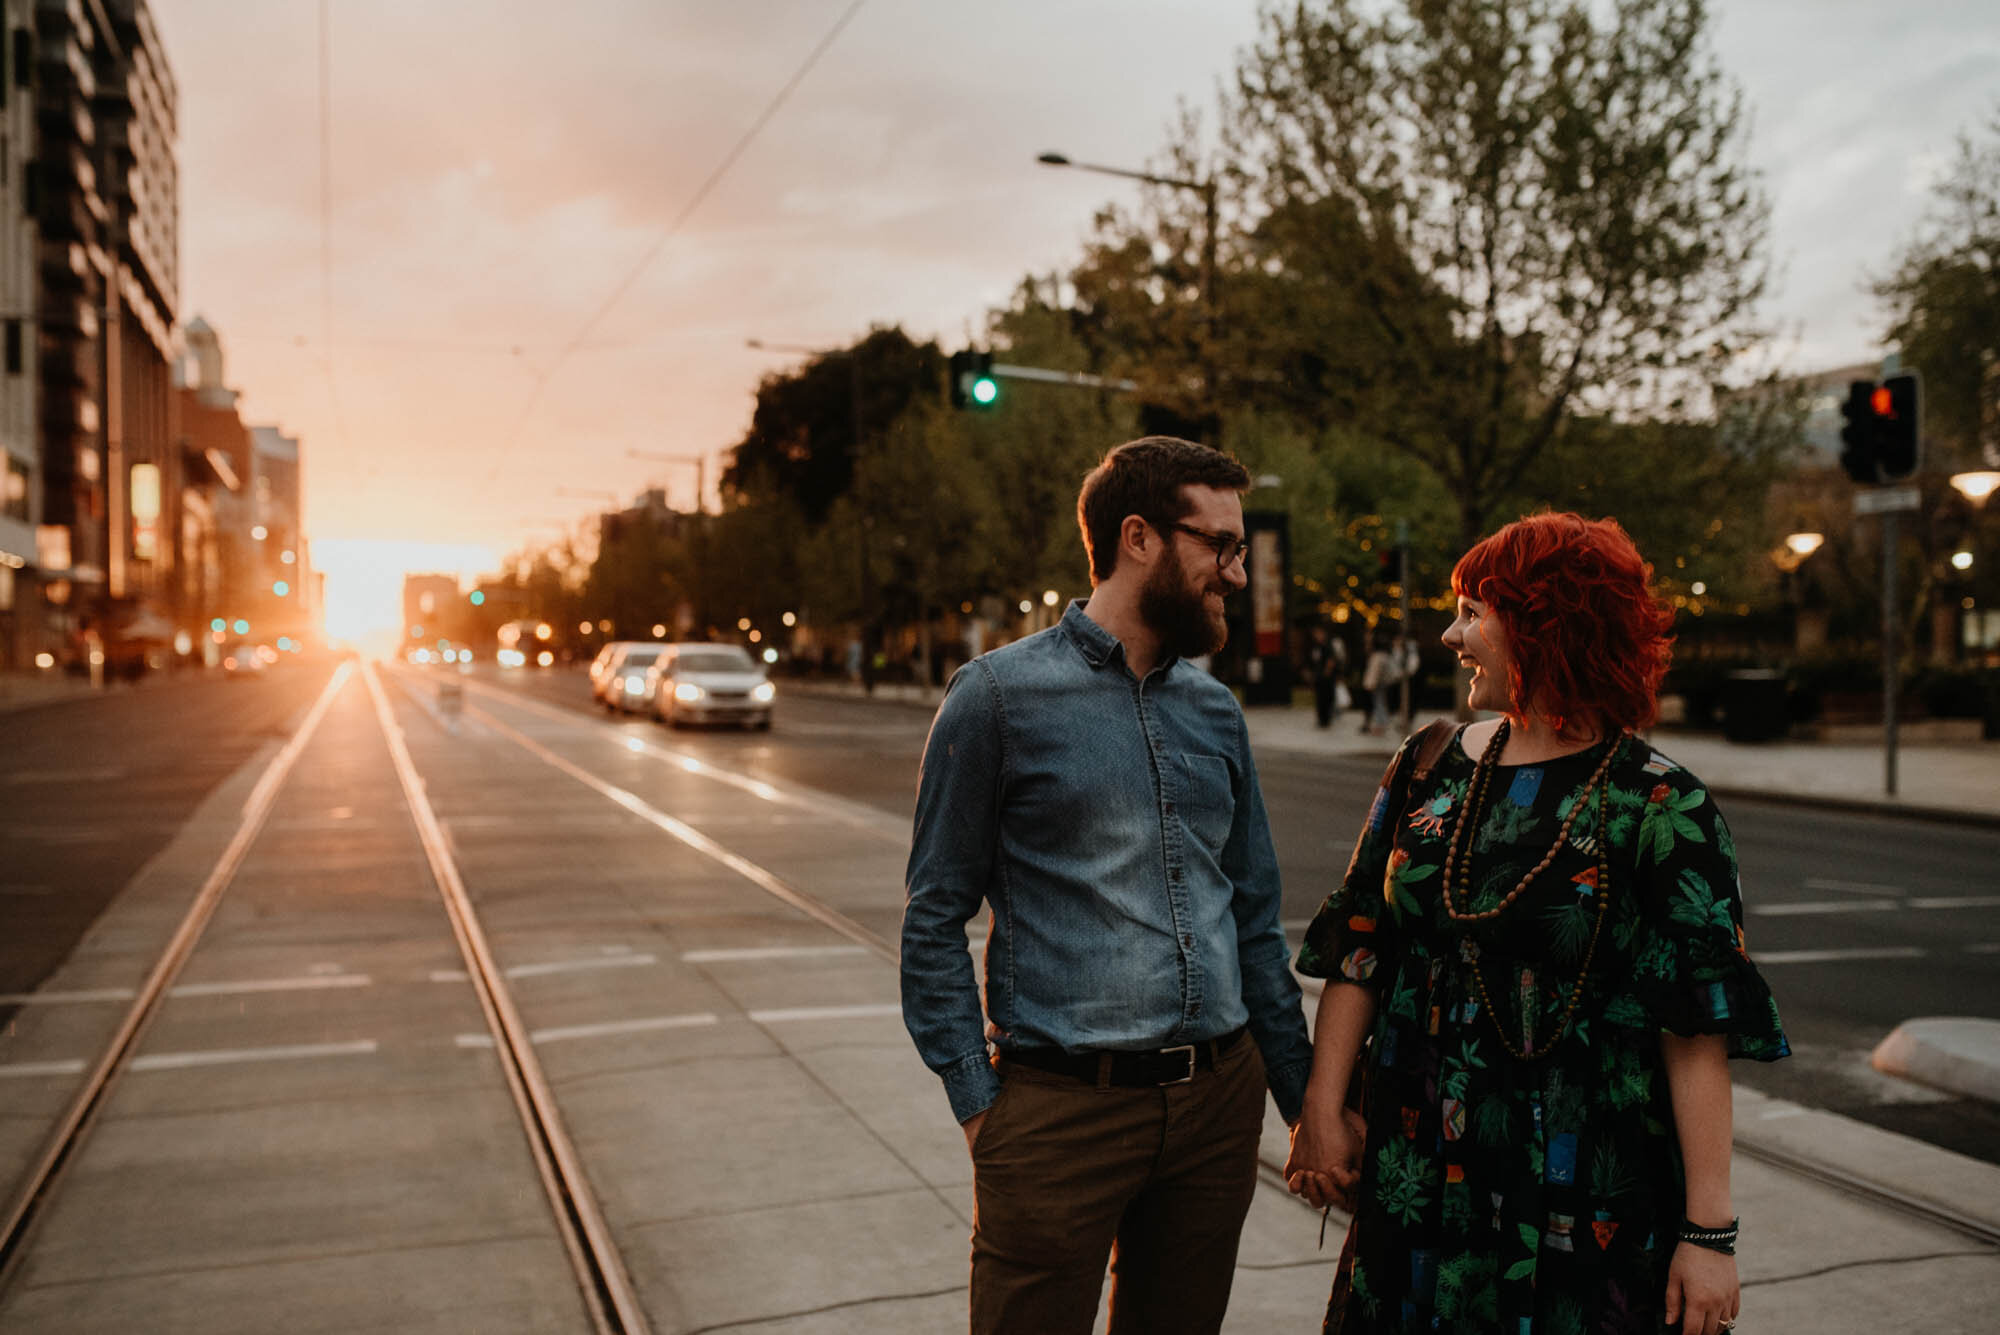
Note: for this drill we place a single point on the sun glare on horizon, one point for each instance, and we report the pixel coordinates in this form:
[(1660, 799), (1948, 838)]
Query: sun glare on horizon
[(364, 581)]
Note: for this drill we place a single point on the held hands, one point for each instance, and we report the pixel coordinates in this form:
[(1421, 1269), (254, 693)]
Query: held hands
[(1702, 1293), (1324, 1165)]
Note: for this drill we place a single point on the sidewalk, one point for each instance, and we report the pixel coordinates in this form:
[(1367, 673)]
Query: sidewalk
[(1958, 781)]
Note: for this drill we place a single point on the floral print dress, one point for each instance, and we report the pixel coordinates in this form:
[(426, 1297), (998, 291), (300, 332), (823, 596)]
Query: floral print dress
[(1537, 1196)]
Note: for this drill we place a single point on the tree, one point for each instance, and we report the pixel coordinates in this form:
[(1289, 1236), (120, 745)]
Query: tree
[(810, 425), (1943, 299), (1546, 216)]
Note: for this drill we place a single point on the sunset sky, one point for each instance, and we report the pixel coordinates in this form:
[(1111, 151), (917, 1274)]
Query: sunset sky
[(499, 170)]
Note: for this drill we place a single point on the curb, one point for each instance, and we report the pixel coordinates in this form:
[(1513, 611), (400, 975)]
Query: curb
[(1950, 1052), (1862, 806)]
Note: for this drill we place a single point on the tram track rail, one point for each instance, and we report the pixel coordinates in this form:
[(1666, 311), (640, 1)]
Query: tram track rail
[(609, 1297), (73, 1124)]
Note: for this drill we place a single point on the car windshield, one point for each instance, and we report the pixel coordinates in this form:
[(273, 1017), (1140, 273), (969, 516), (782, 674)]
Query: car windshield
[(640, 657), (715, 660)]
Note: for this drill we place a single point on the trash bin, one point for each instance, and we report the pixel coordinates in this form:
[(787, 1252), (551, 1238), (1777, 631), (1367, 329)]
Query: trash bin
[(1753, 705)]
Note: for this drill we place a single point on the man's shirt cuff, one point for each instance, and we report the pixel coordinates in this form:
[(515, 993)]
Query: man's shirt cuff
[(1288, 1088), (971, 1084)]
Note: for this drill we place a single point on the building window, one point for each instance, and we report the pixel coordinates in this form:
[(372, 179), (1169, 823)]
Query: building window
[(13, 488), (13, 347), (24, 58)]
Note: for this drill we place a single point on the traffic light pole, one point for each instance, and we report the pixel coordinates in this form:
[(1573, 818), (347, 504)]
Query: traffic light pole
[(1890, 626)]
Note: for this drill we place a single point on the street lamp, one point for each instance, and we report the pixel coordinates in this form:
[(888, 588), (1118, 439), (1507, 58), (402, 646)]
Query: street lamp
[(1802, 545), (1977, 485), (1204, 188)]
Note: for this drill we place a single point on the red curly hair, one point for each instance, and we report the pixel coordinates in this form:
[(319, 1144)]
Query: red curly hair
[(1587, 636)]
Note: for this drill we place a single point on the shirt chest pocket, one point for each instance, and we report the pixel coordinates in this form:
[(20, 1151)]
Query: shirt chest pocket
[(1208, 798)]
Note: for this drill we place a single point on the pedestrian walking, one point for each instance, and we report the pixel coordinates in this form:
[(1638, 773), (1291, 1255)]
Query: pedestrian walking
[(1378, 678), (1540, 939), (1097, 794), (1326, 664)]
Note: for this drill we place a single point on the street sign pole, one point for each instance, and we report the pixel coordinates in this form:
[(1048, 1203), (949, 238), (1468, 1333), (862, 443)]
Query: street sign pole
[(1889, 655)]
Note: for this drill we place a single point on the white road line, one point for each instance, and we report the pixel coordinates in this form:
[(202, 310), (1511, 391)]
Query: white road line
[(1850, 887), (1948, 902), (311, 984), (1984, 948), (314, 983), (27, 1070), (826, 1013), (766, 953), (894, 829), (1825, 906), (174, 1061), (575, 966), (1762, 957), (641, 1025)]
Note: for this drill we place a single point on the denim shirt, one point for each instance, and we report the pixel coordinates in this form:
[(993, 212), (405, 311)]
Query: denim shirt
[(1116, 830)]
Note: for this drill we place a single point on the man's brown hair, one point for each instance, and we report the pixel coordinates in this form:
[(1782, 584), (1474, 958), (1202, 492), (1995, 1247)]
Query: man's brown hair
[(1144, 477)]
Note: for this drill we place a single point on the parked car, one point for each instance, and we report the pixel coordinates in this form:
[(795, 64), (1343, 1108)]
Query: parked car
[(711, 683), (603, 666), (629, 680), (244, 661)]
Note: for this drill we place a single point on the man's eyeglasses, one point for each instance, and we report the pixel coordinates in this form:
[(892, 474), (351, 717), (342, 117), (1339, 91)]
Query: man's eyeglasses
[(1228, 548)]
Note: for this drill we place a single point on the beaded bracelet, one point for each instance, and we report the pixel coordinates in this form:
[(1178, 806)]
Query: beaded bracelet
[(1712, 1239)]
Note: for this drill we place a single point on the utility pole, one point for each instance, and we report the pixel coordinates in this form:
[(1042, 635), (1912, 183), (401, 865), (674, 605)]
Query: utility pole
[(700, 462)]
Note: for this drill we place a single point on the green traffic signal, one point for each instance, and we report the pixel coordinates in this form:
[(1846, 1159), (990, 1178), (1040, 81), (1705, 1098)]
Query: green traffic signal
[(985, 389), (971, 380)]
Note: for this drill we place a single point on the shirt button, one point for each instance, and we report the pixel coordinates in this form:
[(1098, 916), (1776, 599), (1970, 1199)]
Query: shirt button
[(1187, 942), (1170, 808)]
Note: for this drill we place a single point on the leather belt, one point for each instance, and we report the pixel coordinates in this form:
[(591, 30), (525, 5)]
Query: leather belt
[(1132, 1070)]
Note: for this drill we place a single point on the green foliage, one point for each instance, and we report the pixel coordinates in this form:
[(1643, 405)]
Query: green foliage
[(1522, 214)]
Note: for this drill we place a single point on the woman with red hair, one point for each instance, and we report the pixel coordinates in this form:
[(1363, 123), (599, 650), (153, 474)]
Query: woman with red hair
[(1539, 941)]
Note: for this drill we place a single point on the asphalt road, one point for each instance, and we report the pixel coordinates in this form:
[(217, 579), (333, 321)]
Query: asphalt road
[(1859, 922), (93, 786)]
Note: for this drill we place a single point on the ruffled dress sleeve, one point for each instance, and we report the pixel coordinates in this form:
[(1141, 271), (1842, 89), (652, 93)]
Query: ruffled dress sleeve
[(1352, 932), (1693, 972)]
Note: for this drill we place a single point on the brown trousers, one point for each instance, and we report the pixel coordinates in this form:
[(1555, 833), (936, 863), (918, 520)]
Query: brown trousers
[(1066, 1174)]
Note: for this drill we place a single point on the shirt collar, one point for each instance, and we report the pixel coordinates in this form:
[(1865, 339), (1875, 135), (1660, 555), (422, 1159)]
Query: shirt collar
[(1099, 646)]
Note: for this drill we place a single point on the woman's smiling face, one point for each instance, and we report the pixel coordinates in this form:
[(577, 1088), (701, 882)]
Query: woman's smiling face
[(1480, 642)]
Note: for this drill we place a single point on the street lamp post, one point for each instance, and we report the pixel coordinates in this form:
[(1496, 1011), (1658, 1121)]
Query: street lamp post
[(1204, 188)]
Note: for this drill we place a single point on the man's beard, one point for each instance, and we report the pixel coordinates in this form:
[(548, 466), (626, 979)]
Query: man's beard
[(1178, 614)]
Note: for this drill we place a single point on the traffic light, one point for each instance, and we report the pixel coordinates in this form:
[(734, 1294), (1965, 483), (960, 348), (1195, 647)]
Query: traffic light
[(973, 384), (1859, 432), (1899, 440)]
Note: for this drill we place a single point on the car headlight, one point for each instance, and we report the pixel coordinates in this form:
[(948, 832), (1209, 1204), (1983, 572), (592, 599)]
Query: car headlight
[(688, 692), (765, 693), (635, 686)]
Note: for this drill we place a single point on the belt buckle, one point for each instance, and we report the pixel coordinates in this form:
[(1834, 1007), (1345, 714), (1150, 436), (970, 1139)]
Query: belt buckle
[(1188, 1049)]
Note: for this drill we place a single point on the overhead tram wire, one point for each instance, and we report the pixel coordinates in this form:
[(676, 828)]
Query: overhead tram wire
[(625, 284), (326, 224)]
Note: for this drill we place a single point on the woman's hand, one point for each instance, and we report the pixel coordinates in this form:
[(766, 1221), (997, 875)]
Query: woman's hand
[(1324, 1165), (1702, 1294)]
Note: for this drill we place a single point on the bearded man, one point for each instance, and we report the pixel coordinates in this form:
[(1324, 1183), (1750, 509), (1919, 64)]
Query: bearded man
[(1096, 791)]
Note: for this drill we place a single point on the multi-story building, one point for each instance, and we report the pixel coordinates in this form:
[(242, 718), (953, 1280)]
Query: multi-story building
[(21, 615), (104, 191), (215, 458)]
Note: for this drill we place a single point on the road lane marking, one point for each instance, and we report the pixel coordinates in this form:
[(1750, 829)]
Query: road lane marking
[(1948, 902), (562, 1033), (312, 983), (766, 881), (786, 1014), (1850, 887), (1825, 906), (27, 1070), (174, 1061), (880, 824), (1764, 957), (576, 966), (766, 953)]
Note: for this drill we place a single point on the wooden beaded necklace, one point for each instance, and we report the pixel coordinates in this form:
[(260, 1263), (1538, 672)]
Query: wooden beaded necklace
[(1458, 855)]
